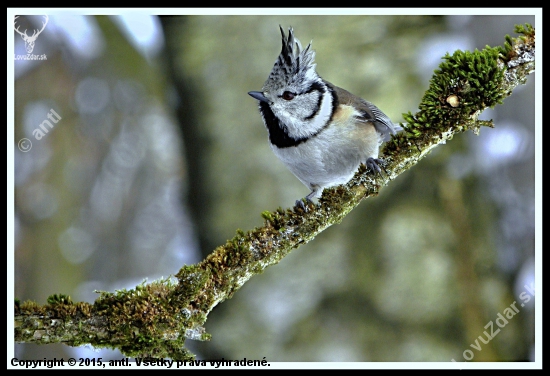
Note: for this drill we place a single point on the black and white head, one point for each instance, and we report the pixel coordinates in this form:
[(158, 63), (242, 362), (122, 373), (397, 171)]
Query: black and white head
[(295, 102)]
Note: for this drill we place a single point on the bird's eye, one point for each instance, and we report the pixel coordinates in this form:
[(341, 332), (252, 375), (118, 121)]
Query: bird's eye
[(288, 96)]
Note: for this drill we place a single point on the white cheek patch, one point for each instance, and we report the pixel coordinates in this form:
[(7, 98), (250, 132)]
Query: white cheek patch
[(324, 114), (303, 125)]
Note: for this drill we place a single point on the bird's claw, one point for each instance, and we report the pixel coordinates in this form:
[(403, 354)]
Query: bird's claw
[(374, 164), (304, 206)]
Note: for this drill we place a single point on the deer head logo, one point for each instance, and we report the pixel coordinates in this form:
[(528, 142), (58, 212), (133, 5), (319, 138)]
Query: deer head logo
[(29, 40)]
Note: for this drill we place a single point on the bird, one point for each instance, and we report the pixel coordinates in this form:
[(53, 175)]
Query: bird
[(321, 132)]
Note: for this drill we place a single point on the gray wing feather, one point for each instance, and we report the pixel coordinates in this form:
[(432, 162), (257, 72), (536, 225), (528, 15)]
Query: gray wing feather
[(382, 122), (369, 112)]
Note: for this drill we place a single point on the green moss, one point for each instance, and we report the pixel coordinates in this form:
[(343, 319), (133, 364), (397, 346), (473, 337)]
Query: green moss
[(464, 85), (59, 299), (527, 30), (267, 216), (474, 77), (29, 307)]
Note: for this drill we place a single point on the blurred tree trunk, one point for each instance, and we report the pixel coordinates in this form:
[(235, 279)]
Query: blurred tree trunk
[(196, 141)]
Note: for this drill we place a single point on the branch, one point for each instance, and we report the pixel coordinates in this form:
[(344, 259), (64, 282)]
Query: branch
[(153, 320)]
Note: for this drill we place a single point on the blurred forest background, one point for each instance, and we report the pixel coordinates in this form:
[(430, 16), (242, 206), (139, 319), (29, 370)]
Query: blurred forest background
[(160, 156)]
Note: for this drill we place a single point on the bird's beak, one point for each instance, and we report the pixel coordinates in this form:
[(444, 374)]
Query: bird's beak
[(258, 95)]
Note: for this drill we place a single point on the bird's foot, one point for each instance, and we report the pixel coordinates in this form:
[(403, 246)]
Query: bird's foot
[(304, 203), (374, 164)]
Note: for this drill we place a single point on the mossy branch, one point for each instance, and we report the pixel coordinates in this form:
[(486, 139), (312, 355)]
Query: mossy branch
[(153, 320)]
